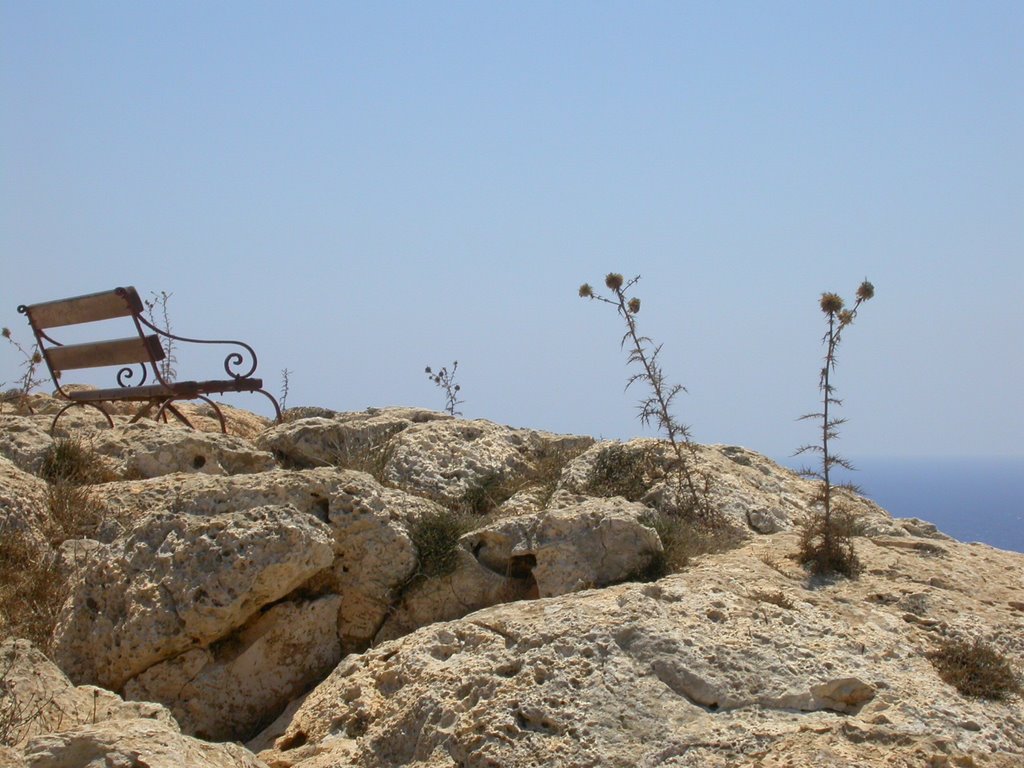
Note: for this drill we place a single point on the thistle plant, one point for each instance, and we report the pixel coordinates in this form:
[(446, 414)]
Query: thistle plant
[(826, 544), (30, 362), (692, 486), (445, 380), (159, 300)]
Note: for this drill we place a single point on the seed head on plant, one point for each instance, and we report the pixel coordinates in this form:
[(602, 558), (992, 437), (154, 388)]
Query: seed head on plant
[(693, 486), (445, 380), (826, 545)]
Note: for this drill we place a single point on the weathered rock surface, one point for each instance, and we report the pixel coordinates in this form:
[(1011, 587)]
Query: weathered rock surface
[(22, 501), (178, 582), (703, 668), (37, 698), (228, 597), (578, 543), (146, 449), (24, 442), (476, 464), (132, 744), (227, 689), (353, 440)]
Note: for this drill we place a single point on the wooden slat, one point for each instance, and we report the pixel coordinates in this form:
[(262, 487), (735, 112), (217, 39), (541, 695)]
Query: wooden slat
[(100, 353), (85, 309)]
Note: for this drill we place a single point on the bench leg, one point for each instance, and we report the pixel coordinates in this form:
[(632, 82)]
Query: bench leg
[(167, 406), (98, 407), (217, 410), (272, 399)]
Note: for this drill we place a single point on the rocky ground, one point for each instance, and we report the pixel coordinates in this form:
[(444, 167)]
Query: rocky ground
[(264, 598)]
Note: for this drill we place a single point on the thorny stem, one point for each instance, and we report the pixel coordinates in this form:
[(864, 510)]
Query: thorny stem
[(653, 375)]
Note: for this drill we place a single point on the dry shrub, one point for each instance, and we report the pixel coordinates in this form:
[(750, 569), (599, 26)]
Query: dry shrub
[(436, 538), (33, 584), (826, 544), (975, 668), (32, 588), (72, 460), (682, 540)]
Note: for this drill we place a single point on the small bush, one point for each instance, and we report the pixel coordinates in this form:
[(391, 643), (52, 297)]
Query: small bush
[(485, 495), (682, 540), (826, 544), (71, 460), (975, 668), (619, 471), (436, 538), (32, 588)]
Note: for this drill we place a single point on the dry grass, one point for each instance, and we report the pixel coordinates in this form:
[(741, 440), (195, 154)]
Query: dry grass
[(975, 668)]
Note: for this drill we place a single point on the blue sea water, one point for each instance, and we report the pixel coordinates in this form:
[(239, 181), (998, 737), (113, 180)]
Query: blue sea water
[(970, 499)]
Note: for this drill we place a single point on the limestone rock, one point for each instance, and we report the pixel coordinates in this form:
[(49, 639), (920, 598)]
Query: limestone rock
[(24, 442), (234, 686), (352, 440), (177, 582), (577, 543), (736, 661), (146, 449), (22, 501), (133, 744), (476, 464), (470, 587), (37, 698)]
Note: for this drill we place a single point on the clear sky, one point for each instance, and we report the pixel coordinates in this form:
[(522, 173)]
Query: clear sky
[(364, 189)]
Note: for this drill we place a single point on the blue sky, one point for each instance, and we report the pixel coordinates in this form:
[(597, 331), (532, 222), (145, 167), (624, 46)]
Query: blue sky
[(364, 189)]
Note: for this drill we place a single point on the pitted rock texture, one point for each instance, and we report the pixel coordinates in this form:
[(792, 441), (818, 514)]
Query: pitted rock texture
[(227, 689), (750, 489), (705, 668), (353, 440), (23, 503), (146, 449), (37, 698), (24, 442), (475, 464), (178, 582), (578, 543)]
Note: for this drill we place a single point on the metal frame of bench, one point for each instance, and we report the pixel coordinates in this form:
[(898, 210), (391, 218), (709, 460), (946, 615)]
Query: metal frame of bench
[(143, 350)]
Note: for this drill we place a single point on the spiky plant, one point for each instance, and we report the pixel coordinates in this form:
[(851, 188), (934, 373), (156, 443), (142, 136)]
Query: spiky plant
[(445, 380), (159, 301), (826, 546), (31, 359), (693, 486)]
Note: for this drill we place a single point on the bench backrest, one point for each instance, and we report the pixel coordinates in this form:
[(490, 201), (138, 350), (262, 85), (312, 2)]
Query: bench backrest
[(142, 348)]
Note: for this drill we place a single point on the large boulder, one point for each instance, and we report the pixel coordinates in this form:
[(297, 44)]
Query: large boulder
[(734, 660), (476, 464), (132, 744), (148, 449), (229, 689), (37, 698), (354, 440), (178, 582), (577, 543)]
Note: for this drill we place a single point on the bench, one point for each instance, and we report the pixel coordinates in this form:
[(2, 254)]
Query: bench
[(138, 355)]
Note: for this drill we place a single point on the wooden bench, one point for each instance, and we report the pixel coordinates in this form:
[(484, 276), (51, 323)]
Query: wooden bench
[(138, 355)]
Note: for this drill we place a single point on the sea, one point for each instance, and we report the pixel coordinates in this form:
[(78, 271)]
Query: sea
[(970, 499)]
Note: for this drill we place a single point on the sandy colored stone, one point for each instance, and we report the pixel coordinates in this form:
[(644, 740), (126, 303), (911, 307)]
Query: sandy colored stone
[(133, 744), (178, 582), (37, 698), (24, 441), (148, 449), (229, 689), (358, 440), (702, 668), (460, 462)]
